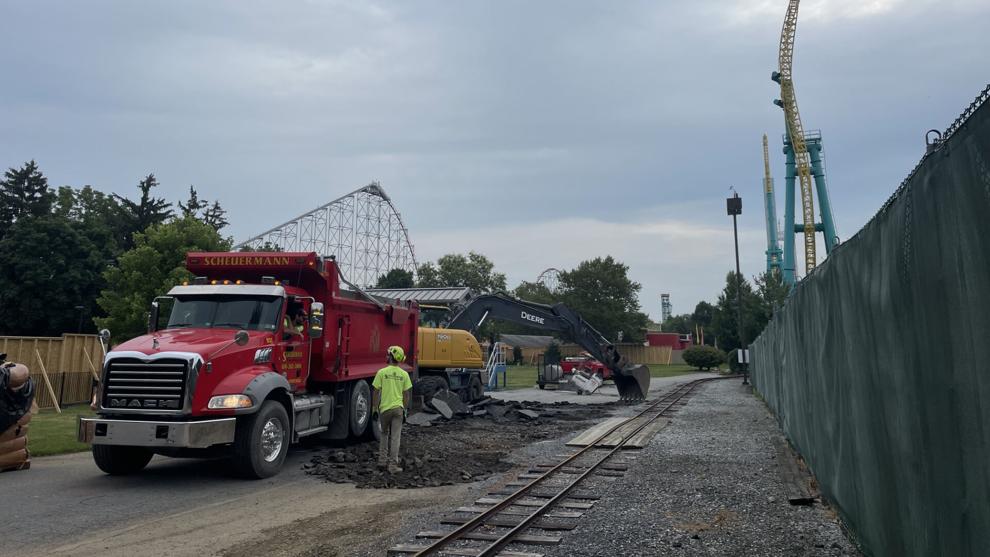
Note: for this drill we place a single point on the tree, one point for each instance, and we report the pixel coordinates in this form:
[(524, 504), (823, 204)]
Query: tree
[(682, 324), (601, 291), (148, 211), (216, 216), (149, 269), (703, 314), (475, 271), (396, 278), (194, 205), (24, 193), (724, 322), (535, 292), (266, 247), (773, 291), (49, 268)]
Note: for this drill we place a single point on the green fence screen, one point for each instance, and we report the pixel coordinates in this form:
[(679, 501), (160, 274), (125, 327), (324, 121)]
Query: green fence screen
[(878, 365)]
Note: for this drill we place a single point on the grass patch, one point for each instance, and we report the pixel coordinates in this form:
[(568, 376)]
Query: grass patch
[(53, 433), (519, 377), (671, 370)]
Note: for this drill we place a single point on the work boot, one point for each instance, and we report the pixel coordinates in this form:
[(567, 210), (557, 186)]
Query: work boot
[(394, 469)]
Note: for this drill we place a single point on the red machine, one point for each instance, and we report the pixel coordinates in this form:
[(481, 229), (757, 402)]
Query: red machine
[(259, 351), (584, 362)]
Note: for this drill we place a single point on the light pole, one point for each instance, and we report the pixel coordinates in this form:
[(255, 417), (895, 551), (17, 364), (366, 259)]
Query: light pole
[(733, 207), (81, 310)]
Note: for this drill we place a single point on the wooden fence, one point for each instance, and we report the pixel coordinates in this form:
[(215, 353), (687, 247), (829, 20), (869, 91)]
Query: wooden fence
[(70, 364), (637, 353)]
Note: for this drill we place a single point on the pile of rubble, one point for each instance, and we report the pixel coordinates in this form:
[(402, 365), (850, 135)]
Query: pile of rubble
[(446, 405)]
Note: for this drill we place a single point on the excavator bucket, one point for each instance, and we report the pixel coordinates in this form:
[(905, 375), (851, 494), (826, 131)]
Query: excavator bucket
[(633, 382)]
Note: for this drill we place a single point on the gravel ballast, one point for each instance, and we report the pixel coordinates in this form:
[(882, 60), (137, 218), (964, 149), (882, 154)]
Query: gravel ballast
[(708, 484)]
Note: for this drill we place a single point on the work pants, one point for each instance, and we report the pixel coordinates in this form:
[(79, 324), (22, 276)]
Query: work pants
[(388, 446)]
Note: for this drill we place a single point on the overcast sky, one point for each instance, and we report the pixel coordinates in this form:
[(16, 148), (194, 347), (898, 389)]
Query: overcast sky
[(537, 133)]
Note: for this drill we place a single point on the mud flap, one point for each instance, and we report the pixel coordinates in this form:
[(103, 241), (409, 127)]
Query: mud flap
[(633, 382)]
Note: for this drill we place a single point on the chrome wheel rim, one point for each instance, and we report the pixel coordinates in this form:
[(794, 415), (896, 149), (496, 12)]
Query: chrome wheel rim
[(361, 409), (271, 439)]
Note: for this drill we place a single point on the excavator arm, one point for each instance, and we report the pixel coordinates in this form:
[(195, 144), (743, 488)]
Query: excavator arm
[(632, 381)]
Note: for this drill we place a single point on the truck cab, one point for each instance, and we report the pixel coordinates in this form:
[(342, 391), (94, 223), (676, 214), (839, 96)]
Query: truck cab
[(256, 352)]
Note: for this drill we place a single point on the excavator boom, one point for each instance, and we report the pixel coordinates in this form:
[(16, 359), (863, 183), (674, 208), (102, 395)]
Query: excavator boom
[(632, 381)]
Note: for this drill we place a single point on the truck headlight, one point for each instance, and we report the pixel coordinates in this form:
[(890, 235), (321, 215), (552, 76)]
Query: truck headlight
[(263, 355), (230, 401)]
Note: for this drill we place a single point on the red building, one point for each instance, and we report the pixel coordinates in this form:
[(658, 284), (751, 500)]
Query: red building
[(675, 341)]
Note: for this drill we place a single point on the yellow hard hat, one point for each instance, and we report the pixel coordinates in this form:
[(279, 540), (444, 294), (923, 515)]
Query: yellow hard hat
[(397, 353)]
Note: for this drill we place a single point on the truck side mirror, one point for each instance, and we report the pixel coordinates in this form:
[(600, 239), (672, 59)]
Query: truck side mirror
[(153, 317), (316, 320), (241, 337)]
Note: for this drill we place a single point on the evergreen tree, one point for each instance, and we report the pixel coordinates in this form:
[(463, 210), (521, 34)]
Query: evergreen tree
[(215, 216), (24, 193), (773, 291), (148, 211), (193, 206), (725, 322)]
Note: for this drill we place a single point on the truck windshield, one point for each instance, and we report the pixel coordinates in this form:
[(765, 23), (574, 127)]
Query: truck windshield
[(226, 312)]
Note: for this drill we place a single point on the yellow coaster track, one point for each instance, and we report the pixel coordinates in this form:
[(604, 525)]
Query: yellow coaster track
[(796, 132)]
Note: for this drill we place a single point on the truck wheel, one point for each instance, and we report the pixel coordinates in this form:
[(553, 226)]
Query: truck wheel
[(374, 432), (475, 389), (261, 441), (360, 408), (118, 460), (429, 386)]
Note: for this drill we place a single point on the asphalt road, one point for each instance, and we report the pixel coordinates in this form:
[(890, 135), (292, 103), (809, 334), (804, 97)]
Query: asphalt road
[(67, 497)]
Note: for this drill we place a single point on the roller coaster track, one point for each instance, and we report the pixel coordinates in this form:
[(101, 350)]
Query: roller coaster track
[(363, 230), (795, 130)]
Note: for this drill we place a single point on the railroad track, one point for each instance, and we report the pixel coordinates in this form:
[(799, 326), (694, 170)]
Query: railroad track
[(505, 516)]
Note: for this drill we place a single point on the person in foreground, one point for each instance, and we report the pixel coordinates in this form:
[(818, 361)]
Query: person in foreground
[(389, 400)]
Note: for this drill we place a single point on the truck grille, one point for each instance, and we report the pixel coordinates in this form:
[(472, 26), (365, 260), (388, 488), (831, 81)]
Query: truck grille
[(136, 384)]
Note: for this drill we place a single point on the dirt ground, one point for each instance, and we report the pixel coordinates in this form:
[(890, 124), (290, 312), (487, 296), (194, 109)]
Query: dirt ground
[(465, 449)]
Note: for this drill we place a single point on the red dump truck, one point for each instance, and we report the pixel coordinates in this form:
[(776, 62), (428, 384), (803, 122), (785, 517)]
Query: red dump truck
[(258, 351)]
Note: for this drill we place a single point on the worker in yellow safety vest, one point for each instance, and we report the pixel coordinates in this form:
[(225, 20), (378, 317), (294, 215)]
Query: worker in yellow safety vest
[(389, 401)]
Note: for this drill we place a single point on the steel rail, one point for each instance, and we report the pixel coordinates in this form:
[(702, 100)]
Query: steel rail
[(677, 394)]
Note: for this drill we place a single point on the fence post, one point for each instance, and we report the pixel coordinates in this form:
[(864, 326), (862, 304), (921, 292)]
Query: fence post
[(61, 389), (92, 366), (44, 374)]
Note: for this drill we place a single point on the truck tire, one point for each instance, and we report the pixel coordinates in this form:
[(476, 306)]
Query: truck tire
[(261, 441), (430, 385), (360, 408), (475, 389), (118, 460)]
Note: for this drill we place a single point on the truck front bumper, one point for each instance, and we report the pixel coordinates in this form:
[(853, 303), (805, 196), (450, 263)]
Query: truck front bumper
[(139, 433)]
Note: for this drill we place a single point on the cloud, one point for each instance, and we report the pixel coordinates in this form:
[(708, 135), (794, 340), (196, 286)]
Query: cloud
[(688, 260), (619, 120)]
